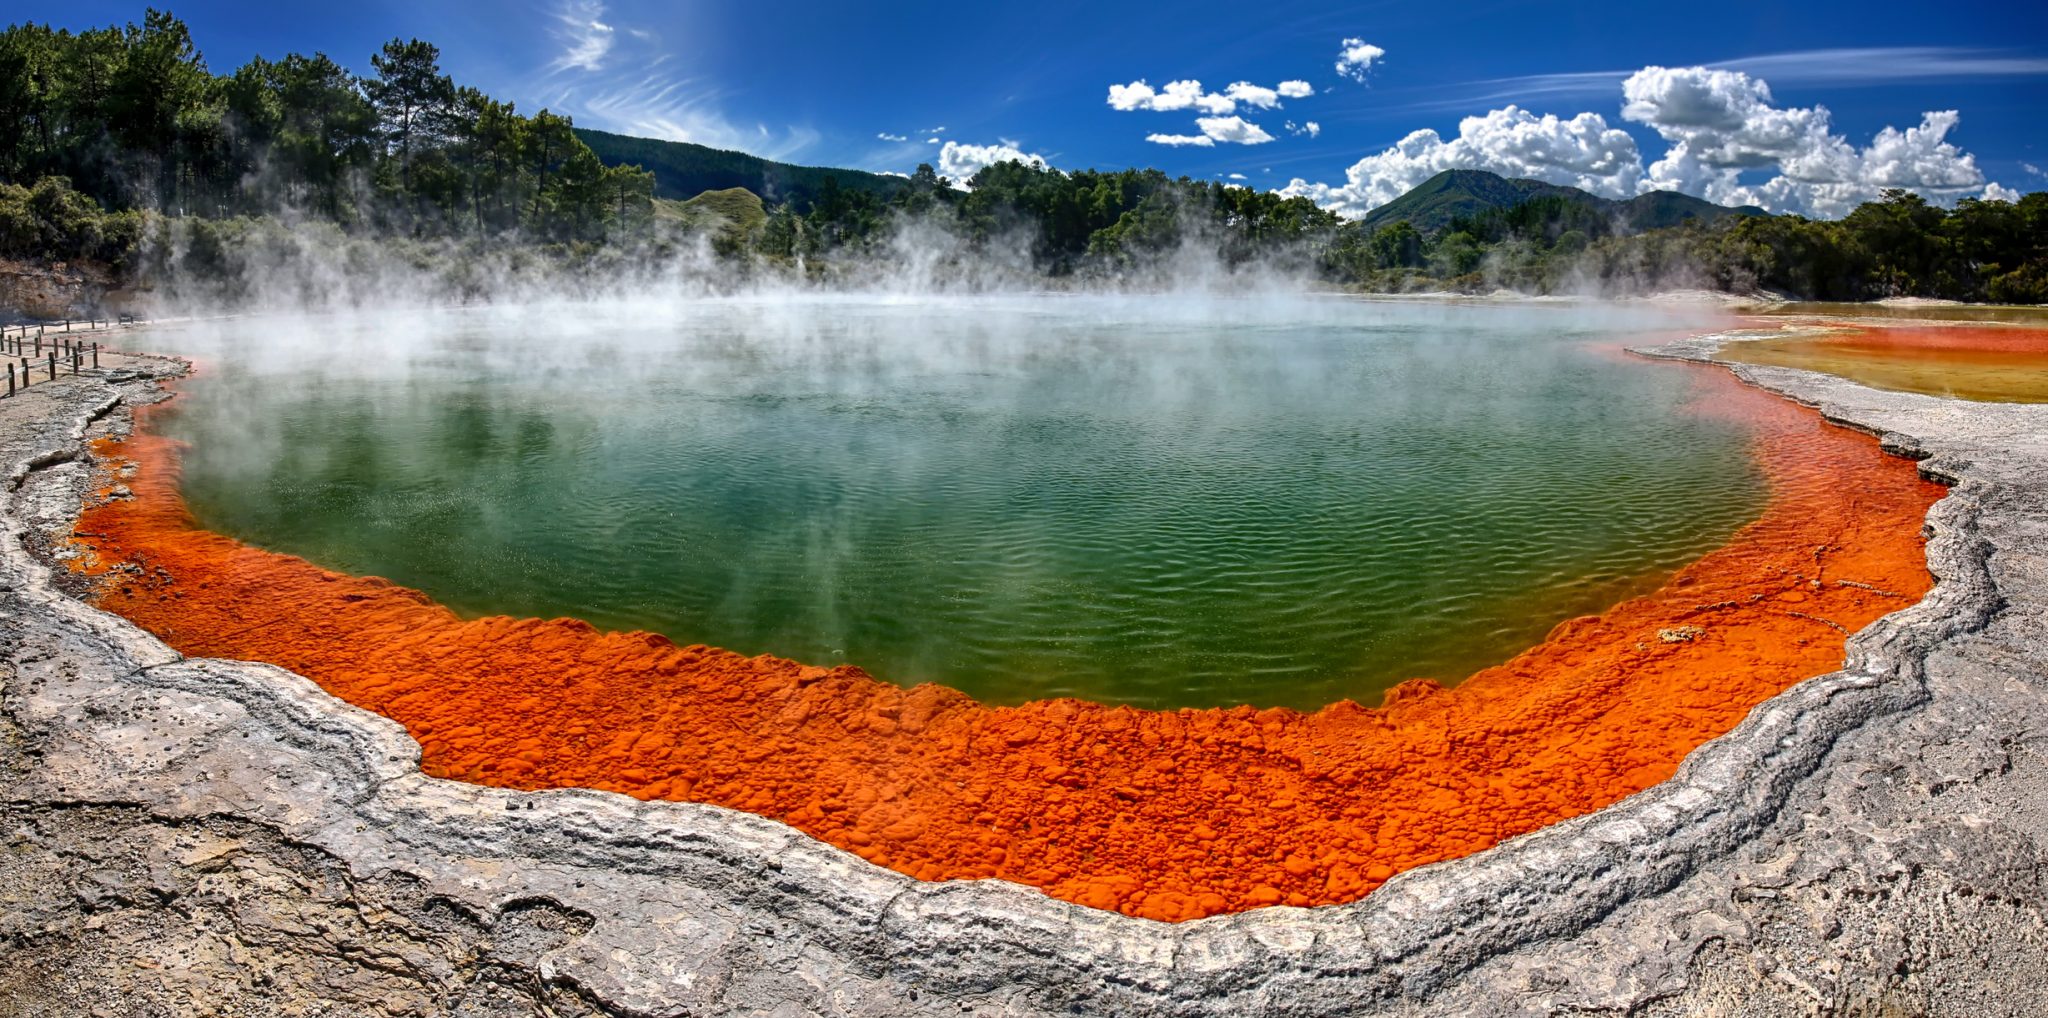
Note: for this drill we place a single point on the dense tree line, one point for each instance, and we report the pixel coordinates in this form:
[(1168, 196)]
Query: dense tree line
[(1083, 221), (1088, 221), (1897, 246), (112, 137), (132, 118)]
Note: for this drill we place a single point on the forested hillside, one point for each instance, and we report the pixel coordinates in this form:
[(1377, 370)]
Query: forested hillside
[(683, 170), (133, 118), (120, 147), (1464, 194)]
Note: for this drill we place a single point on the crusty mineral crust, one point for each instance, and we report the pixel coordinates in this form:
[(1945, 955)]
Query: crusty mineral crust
[(207, 836)]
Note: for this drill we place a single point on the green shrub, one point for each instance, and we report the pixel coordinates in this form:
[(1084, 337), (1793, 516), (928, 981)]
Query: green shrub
[(49, 220)]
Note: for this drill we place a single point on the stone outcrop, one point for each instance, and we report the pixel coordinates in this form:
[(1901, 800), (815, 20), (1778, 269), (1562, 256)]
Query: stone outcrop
[(59, 290), (186, 836)]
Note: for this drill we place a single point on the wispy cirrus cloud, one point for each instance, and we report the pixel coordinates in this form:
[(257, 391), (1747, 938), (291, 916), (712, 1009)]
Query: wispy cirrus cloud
[(670, 108), (617, 78), (1877, 66), (1848, 67), (585, 38)]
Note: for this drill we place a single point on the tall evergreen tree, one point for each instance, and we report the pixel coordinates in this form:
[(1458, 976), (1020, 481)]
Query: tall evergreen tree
[(413, 99)]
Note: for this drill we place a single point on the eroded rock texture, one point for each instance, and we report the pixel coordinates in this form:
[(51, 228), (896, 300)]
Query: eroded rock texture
[(190, 837)]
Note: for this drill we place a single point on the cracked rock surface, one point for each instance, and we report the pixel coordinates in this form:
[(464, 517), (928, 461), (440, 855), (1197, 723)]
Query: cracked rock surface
[(210, 837)]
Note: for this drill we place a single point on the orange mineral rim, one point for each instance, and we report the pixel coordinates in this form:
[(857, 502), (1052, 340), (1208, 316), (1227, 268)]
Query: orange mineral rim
[(1169, 815)]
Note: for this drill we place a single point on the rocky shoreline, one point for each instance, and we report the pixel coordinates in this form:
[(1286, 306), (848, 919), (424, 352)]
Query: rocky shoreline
[(192, 836)]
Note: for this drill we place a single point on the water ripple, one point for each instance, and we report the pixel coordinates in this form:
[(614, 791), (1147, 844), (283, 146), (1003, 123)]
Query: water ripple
[(1288, 505)]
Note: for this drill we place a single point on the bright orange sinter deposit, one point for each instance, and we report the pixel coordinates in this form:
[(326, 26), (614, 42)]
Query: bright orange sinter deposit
[(1983, 362), (1165, 814)]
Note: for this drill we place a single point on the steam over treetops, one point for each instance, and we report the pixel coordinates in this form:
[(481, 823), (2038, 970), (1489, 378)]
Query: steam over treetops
[(121, 148)]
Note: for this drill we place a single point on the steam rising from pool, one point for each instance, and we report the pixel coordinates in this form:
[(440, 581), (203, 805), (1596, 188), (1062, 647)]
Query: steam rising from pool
[(1164, 501)]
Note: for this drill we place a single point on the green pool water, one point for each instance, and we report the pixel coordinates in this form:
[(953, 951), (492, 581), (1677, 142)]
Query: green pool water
[(1156, 501)]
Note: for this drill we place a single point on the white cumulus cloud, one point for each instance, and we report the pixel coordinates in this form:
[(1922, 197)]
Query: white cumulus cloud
[(1233, 129), (886, 136), (1996, 191), (961, 162), (1356, 57), (1188, 94), (1727, 140), (1310, 128), (1135, 96), (1582, 152), (1253, 95), (1721, 124), (1179, 140), (1177, 95)]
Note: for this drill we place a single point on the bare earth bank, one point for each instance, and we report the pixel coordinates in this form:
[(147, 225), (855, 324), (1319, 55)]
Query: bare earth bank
[(187, 837)]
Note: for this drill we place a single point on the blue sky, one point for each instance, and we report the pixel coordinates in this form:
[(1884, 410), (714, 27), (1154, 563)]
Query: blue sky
[(1555, 90)]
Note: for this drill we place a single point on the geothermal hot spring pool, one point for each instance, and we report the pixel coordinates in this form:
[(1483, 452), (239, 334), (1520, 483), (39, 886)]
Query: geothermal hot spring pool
[(1114, 598), (1155, 502)]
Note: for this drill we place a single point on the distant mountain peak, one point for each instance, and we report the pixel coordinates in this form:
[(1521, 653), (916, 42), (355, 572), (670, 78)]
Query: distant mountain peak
[(1431, 205)]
